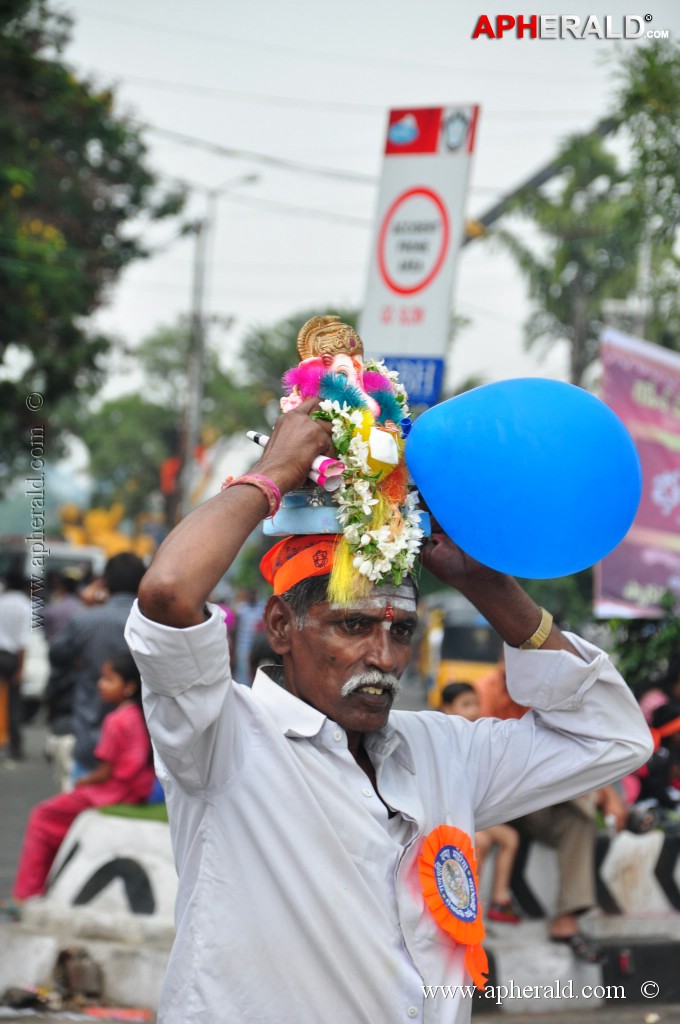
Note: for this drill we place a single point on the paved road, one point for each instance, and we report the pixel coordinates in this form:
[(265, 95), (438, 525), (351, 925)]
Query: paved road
[(21, 787)]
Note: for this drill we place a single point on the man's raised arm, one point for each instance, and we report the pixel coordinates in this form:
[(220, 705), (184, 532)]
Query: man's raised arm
[(198, 552), (499, 598)]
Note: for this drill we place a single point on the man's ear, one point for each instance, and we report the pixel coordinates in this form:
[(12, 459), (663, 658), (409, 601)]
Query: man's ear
[(280, 621)]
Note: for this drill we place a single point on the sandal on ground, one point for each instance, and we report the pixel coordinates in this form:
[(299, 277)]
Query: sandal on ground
[(504, 913), (582, 947)]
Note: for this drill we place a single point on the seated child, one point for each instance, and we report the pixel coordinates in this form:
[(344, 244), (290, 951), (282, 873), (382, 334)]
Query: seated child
[(125, 775), (461, 699)]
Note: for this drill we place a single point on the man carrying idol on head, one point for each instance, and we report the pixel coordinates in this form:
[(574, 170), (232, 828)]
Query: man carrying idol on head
[(324, 841)]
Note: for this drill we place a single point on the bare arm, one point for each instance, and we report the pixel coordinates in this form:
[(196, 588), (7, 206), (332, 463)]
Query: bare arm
[(99, 774), (195, 556), (499, 598)]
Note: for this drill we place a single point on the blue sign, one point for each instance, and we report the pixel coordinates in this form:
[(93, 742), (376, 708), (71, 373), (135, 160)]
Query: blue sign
[(403, 132), (422, 378)]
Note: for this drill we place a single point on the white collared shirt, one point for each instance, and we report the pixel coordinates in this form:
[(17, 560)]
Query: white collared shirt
[(299, 901), (15, 621)]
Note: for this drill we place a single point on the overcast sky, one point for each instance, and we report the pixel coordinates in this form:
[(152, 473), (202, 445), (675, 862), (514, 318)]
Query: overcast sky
[(312, 82)]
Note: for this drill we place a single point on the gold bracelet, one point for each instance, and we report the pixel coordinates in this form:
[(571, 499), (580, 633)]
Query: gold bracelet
[(538, 638)]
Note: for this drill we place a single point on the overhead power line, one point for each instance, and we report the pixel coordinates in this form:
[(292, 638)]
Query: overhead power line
[(309, 103), (302, 211), (261, 158), (346, 57), (249, 97)]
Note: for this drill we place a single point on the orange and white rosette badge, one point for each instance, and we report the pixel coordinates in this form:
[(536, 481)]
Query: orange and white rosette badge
[(448, 876)]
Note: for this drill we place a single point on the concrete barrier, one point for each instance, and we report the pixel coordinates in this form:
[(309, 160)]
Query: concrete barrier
[(113, 887)]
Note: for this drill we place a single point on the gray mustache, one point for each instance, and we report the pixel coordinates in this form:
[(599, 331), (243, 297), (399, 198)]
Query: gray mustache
[(387, 680)]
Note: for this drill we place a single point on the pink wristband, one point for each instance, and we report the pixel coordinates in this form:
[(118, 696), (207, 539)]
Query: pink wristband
[(264, 484)]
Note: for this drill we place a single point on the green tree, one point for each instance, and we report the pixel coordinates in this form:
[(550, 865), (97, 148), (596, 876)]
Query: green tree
[(72, 179), (642, 647), (648, 100), (607, 229), (589, 225), (128, 439), (228, 407)]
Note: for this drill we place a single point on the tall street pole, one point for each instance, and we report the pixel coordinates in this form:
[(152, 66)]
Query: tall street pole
[(194, 393), (193, 419)]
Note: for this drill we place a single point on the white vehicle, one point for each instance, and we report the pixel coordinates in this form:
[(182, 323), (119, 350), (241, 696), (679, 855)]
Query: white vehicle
[(59, 554)]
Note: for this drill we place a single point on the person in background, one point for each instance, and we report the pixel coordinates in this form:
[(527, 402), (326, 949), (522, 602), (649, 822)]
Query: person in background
[(123, 774), (660, 777), (249, 609), (461, 699), (90, 638), (222, 597), (15, 632), (57, 699), (261, 653), (668, 690), (494, 699), (64, 601), (569, 827)]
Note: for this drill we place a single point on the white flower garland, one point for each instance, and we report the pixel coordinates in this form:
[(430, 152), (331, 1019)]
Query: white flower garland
[(389, 552)]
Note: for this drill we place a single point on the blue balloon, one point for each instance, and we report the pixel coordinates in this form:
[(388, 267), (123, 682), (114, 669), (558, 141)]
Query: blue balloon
[(532, 477)]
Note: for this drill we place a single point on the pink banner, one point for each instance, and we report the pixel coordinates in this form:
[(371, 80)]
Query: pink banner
[(641, 383)]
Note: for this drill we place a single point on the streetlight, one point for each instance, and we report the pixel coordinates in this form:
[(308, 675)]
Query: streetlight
[(191, 432)]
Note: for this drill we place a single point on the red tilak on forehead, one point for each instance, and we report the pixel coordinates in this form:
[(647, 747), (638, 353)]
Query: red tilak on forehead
[(389, 612)]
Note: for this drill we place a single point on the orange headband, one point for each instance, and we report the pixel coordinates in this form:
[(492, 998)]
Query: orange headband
[(298, 558)]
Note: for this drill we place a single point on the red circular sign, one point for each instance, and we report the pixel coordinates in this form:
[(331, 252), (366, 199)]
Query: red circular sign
[(430, 274)]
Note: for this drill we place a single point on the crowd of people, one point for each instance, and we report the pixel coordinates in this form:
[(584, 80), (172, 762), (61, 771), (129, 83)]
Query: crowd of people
[(97, 738)]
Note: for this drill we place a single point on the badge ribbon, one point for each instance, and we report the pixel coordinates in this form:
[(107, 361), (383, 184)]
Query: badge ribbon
[(448, 875)]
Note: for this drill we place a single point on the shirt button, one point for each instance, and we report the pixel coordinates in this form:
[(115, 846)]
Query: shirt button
[(367, 791), (412, 1011), (337, 735)]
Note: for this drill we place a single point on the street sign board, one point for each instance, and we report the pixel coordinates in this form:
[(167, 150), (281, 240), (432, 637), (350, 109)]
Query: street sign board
[(419, 229)]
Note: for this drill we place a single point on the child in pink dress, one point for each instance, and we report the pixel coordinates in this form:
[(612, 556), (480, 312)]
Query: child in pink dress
[(125, 775)]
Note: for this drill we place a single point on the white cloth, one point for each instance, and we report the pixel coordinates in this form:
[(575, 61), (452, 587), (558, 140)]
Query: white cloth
[(296, 903), (15, 621)]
